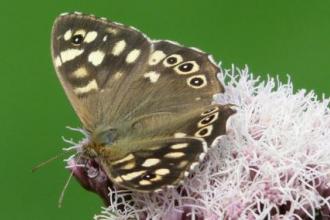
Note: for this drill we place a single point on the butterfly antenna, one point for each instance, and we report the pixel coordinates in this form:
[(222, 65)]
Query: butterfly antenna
[(35, 168), (60, 200)]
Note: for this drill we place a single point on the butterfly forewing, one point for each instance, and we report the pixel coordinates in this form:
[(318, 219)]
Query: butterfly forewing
[(91, 55), (131, 92)]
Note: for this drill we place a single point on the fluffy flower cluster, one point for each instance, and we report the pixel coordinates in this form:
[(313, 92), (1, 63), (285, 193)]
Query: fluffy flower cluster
[(273, 163)]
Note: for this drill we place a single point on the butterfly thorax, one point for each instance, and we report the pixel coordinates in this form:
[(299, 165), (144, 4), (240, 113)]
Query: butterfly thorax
[(99, 140)]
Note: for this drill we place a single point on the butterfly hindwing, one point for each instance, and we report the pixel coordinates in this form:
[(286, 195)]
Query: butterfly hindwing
[(154, 162), (160, 164)]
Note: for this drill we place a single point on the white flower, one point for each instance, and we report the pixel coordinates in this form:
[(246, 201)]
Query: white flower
[(273, 163)]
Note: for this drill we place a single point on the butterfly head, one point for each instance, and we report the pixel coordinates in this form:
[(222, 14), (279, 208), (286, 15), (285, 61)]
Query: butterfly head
[(99, 140)]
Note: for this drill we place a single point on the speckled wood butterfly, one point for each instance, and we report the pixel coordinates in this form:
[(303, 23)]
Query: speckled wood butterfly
[(145, 104)]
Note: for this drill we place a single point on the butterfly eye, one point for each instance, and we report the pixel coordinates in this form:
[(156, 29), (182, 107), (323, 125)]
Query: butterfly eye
[(172, 60), (208, 119), (197, 82), (204, 132), (210, 111), (187, 68), (77, 39)]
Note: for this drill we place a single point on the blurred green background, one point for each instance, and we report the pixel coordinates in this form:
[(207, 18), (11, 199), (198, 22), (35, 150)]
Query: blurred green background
[(272, 37)]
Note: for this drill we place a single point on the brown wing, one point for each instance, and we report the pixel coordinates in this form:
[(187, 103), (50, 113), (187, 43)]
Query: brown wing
[(113, 73), (150, 162)]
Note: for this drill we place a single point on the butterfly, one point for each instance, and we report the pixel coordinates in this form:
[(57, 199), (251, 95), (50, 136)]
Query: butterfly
[(145, 104)]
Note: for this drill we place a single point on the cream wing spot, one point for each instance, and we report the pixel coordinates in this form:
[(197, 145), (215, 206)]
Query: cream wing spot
[(90, 36), (96, 57), (118, 179), (174, 155), (145, 182), (132, 175), (118, 75), (154, 148), (182, 164), (70, 54), (156, 178), (156, 57), (152, 75), (133, 55), (67, 35), (58, 61), (151, 162), (80, 72), (162, 171), (179, 146), (124, 159), (118, 48), (111, 30), (128, 166), (180, 135), (92, 85)]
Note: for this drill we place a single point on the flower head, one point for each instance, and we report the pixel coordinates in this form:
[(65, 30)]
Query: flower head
[(274, 162)]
